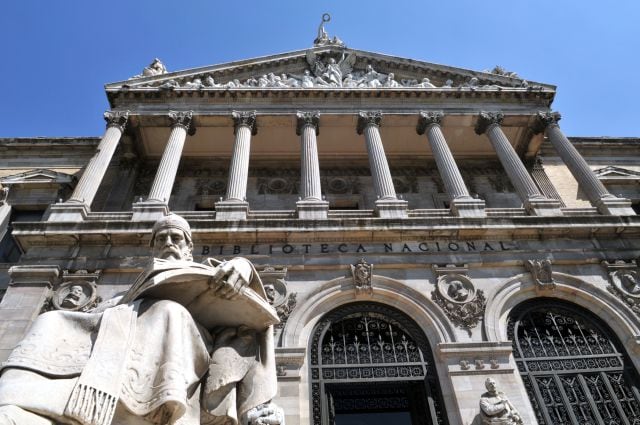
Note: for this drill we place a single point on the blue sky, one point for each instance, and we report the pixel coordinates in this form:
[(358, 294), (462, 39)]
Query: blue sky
[(57, 55)]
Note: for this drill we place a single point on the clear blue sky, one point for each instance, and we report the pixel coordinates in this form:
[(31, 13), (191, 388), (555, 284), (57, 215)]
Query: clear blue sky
[(58, 54)]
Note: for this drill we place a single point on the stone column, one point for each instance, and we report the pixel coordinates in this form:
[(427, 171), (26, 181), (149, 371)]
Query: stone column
[(181, 123), (157, 203), (311, 206), (534, 201), (387, 205), (587, 180), (462, 204), (77, 207), (235, 205)]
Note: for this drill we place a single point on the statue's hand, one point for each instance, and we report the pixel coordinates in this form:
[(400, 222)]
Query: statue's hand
[(266, 414), (231, 277)]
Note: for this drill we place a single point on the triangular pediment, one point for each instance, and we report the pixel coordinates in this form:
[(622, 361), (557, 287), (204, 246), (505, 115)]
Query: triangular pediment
[(325, 68), (38, 176), (617, 174)]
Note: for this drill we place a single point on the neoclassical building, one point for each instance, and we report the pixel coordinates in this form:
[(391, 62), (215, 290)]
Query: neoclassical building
[(422, 228)]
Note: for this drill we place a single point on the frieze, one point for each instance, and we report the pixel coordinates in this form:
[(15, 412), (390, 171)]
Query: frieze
[(433, 247)]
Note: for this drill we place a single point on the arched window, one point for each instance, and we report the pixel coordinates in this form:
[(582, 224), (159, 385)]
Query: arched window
[(573, 367), (372, 364)]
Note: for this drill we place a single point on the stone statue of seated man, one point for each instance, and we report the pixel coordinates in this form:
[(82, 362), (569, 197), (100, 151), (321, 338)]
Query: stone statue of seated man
[(495, 407), (140, 359)]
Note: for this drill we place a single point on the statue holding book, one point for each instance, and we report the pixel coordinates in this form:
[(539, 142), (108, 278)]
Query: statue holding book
[(187, 344)]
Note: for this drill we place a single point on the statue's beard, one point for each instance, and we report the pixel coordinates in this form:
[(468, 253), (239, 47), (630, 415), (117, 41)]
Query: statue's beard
[(175, 254)]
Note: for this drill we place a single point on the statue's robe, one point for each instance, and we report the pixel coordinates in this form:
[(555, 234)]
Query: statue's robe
[(141, 361)]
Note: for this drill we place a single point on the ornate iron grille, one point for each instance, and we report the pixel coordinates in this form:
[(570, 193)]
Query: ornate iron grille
[(370, 343), (573, 369)]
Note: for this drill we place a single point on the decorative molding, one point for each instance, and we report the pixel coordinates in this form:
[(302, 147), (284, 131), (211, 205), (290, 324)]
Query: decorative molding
[(487, 119), (541, 272), (183, 119), (624, 282), (368, 118), (362, 273), (116, 119), (428, 118), (278, 294), (78, 292), (245, 118), (544, 120), (307, 118)]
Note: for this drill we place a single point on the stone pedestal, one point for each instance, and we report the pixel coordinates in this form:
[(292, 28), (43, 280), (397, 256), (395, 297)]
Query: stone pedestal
[(149, 210), (232, 210), (391, 208), (312, 209), (542, 206), (68, 212), (468, 207)]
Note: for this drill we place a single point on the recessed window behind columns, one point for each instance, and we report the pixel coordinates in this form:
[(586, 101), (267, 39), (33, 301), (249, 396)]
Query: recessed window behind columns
[(372, 364), (574, 368)]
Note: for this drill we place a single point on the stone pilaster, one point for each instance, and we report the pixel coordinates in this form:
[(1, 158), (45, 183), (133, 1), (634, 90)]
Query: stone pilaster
[(77, 207), (157, 203), (588, 181), (462, 204), (387, 204), (534, 201), (235, 205), (311, 206)]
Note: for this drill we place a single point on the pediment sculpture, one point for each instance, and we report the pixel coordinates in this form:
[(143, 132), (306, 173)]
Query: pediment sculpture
[(187, 344)]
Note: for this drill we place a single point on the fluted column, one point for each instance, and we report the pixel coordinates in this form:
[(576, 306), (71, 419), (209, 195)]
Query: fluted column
[(369, 125), (461, 202), (181, 123), (587, 180), (245, 126), (88, 185), (489, 124), (307, 129), (311, 205)]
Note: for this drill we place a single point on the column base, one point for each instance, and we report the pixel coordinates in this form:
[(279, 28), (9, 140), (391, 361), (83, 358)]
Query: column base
[(312, 209), (232, 210), (391, 208), (543, 207), (468, 207), (614, 206), (68, 211), (149, 211)]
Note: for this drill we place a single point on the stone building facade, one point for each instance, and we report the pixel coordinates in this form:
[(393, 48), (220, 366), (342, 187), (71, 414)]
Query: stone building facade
[(421, 227)]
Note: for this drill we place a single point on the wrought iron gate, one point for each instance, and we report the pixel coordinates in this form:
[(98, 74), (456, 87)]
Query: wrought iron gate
[(369, 356), (573, 368)]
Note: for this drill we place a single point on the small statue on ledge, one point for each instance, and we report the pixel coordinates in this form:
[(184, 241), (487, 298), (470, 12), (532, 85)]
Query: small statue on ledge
[(495, 407)]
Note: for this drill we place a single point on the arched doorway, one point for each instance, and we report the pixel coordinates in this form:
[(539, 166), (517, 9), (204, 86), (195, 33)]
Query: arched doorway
[(372, 364), (573, 367)]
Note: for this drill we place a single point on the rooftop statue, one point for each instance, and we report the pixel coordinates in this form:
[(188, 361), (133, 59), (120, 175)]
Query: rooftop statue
[(155, 68), (187, 344), (323, 38)]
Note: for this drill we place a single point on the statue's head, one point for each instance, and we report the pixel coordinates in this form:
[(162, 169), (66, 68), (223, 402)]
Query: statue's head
[(171, 239), (490, 385), (75, 297)]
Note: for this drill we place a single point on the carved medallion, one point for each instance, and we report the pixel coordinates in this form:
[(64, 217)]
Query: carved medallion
[(459, 299), (75, 295), (278, 295), (625, 284)]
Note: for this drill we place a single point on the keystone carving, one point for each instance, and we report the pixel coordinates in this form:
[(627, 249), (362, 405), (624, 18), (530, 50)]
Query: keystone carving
[(362, 273), (541, 272)]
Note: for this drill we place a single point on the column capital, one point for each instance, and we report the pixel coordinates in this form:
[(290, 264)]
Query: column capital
[(182, 119), (544, 120), (116, 119), (368, 118), (487, 119), (305, 118), (245, 118), (428, 118)]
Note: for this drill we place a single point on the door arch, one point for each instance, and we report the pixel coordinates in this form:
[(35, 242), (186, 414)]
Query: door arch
[(372, 361), (574, 368)]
